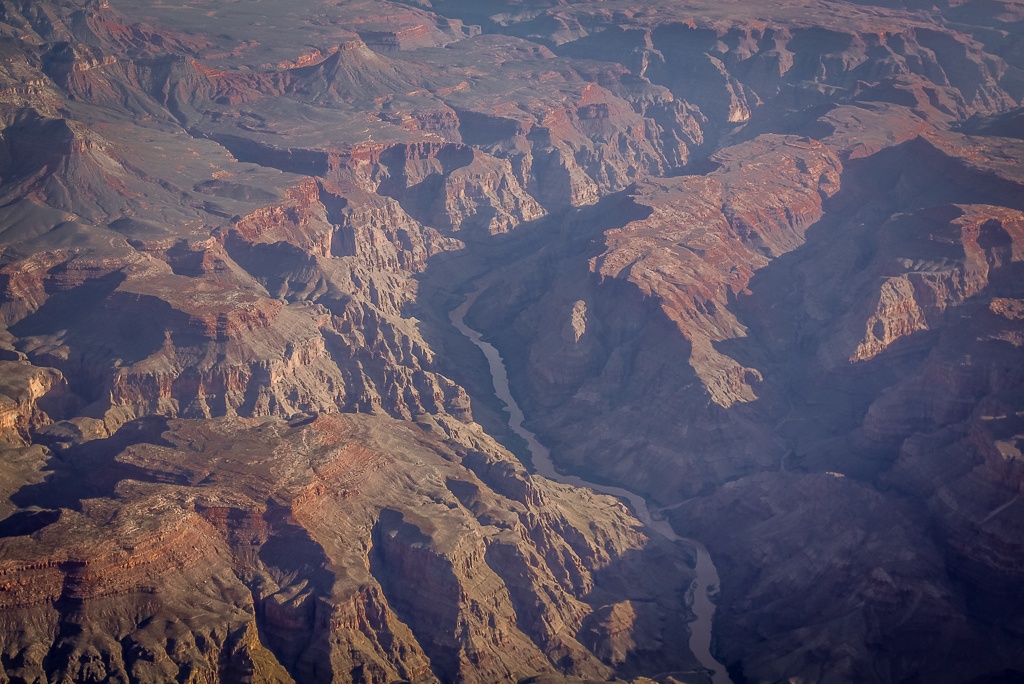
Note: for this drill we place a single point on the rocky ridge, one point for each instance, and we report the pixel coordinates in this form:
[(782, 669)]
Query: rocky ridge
[(760, 264), (314, 557), (857, 348)]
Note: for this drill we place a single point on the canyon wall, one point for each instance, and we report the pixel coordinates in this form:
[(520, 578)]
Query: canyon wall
[(761, 265)]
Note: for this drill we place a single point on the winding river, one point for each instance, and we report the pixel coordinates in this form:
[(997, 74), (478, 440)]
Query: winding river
[(706, 582)]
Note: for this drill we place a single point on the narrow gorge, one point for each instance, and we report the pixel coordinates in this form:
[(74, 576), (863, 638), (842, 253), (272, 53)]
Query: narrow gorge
[(706, 582), (449, 341)]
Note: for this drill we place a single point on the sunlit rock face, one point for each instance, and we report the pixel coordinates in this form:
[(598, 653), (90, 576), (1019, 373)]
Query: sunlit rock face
[(761, 265)]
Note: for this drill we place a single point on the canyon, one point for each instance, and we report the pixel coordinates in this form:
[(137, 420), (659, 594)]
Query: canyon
[(744, 290)]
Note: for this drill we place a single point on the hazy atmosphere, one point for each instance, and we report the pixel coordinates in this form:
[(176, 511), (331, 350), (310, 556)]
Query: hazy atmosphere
[(525, 341)]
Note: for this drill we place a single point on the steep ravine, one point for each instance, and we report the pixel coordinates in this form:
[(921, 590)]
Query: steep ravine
[(706, 582)]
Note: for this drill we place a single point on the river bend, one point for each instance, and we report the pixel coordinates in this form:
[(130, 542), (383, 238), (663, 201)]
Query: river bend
[(706, 582)]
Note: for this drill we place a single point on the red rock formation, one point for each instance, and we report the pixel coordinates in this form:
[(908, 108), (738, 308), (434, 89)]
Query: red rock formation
[(661, 288), (22, 388), (233, 220), (706, 236), (316, 537), (930, 262)]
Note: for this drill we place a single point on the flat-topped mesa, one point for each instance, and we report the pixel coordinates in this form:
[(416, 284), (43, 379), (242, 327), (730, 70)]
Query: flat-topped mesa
[(396, 31), (199, 309), (135, 563), (409, 37), (98, 22), (440, 121)]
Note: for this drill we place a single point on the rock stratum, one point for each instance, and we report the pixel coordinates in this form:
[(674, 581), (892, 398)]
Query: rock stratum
[(761, 264), (335, 548)]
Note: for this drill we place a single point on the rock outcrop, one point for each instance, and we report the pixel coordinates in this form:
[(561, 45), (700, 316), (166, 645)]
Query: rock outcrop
[(758, 263), (658, 297), (341, 547)]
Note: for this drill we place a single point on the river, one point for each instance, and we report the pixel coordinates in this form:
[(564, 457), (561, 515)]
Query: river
[(706, 582)]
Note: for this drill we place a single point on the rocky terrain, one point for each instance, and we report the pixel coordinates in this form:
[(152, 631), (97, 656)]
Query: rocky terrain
[(759, 263), (341, 547)]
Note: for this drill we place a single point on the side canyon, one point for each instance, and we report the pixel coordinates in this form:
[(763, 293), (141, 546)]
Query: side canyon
[(755, 269)]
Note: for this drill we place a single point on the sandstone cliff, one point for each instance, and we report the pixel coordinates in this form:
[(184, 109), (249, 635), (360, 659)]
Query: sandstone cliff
[(759, 263), (352, 548)]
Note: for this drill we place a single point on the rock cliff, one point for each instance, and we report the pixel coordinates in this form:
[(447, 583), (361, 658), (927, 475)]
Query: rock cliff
[(760, 264), (341, 547)]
